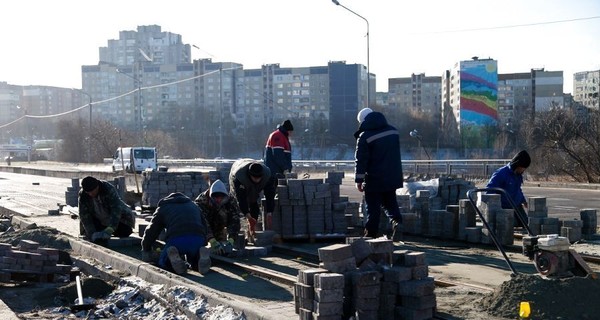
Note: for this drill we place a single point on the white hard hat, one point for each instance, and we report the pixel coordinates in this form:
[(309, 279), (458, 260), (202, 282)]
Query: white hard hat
[(362, 114)]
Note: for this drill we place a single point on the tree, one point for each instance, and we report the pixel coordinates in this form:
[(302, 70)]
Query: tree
[(566, 144)]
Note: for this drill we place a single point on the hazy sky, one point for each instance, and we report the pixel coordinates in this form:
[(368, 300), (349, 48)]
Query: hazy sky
[(45, 42)]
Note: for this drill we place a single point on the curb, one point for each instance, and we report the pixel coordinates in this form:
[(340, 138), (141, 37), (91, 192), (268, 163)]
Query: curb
[(153, 274)]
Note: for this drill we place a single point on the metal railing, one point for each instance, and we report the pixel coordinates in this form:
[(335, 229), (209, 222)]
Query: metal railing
[(482, 168)]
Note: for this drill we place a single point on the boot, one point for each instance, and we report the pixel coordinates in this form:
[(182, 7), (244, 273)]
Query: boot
[(179, 265), (204, 262), (397, 232)]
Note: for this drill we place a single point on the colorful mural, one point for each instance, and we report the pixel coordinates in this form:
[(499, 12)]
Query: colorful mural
[(479, 93)]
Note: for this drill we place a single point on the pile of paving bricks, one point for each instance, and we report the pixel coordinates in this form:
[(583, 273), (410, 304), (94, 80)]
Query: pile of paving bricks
[(29, 261), (72, 193), (461, 222), (159, 184), (312, 208), (366, 279)]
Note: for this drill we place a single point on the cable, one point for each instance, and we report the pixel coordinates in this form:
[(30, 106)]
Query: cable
[(508, 26)]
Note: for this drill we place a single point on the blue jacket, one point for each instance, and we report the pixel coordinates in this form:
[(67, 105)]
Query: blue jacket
[(377, 156), (179, 215), (507, 179)]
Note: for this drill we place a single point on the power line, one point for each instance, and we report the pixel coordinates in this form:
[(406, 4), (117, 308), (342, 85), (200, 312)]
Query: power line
[(508, 26)]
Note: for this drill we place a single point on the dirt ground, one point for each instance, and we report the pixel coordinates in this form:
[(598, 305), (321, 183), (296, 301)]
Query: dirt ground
[(548, 298)]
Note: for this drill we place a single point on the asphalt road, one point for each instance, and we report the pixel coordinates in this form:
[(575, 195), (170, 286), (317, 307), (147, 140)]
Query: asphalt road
[(562, 202)]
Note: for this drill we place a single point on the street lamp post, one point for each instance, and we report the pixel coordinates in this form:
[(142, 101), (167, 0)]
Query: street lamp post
[(415, 134), (90, 128), (337, 3)]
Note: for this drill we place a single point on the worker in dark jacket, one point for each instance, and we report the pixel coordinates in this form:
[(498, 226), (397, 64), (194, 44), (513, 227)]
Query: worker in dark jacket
[(510, 178), (278, 151), (102, 212), (247, 179), (378, 170), (185, 230), (222, 212)]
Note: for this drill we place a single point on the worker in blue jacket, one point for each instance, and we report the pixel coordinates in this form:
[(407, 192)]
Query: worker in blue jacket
[(378, 170), (510, 178)]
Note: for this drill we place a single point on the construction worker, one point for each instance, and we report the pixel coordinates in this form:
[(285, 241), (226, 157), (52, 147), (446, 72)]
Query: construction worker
[(185, 229), (378, 170), (223, 216), (510, 178), (278, 150), (247, 179), (102, 212)]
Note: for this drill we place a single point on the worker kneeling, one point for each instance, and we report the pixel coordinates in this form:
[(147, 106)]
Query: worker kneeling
[(222, 213), (185, 241)]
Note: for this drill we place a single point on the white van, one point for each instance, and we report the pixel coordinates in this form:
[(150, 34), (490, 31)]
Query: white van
[(134, 158)]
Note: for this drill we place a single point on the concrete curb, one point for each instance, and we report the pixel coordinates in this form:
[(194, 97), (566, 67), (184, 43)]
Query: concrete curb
[(155, 275)]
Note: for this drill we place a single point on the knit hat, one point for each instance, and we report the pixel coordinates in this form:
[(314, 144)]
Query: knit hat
[(218, 187), (521, 159), (287, 125), (255, 169), (362, 114), (89, 183)]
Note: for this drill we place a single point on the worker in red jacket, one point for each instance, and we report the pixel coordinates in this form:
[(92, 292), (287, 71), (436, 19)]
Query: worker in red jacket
[(278, 151)]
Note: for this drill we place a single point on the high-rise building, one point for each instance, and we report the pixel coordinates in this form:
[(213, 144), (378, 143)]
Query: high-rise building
[(419, 93), (586, 87), (144, 80), (470, 90)]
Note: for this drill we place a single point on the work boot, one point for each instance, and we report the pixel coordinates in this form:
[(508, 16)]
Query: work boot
[(179, 265), (397, 232), (204, 263)]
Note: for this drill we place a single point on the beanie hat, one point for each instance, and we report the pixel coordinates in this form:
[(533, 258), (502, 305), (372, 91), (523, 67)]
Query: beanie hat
[(89, 183), (521, 159), (218, 187), (255, 169), (362, 114), (287, 125)]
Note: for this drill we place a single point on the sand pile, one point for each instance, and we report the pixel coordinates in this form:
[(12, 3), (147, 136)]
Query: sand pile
[(569, 298)]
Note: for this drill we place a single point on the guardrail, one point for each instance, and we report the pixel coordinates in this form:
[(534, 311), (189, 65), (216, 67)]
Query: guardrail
[(481, 168)]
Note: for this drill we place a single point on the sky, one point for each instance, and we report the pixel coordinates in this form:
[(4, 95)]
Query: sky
[(46, 42)]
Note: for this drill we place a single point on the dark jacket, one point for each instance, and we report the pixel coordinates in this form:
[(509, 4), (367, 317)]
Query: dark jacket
[(377, 155), (278, 152), (227, 215), (116, 210), (179, 215), (245, 190), (506, 178)]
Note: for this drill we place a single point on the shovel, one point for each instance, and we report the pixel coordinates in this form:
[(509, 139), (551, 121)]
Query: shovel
[(80, 305)]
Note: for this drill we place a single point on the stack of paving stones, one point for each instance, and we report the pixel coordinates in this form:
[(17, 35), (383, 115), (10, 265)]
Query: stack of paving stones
[(72, 193), (29, 259), (366, 279), (157, 185), (589, 223), (311, 208)]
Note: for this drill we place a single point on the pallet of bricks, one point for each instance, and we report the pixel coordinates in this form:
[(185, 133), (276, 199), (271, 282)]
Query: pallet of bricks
[(312, 208), (461, 222), (30, 262), (366, 279)]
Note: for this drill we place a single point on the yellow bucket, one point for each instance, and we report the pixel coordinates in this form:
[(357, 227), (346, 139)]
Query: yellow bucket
[(524, 310)]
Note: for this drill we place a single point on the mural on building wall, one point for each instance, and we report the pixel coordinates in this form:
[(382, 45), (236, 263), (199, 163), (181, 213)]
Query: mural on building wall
[(478, 103)]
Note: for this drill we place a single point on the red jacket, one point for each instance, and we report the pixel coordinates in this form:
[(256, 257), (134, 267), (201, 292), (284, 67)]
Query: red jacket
[(278, 152)]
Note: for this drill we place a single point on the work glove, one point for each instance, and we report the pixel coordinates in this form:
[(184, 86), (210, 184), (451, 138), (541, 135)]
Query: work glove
[(147, 256), (216, 247), (269, 221), (99, 236)]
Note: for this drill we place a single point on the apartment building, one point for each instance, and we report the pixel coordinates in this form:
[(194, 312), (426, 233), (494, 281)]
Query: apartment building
[(417, 92), (586, 87)]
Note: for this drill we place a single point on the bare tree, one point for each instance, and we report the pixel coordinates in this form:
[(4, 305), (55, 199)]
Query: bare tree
[(567, 144)]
